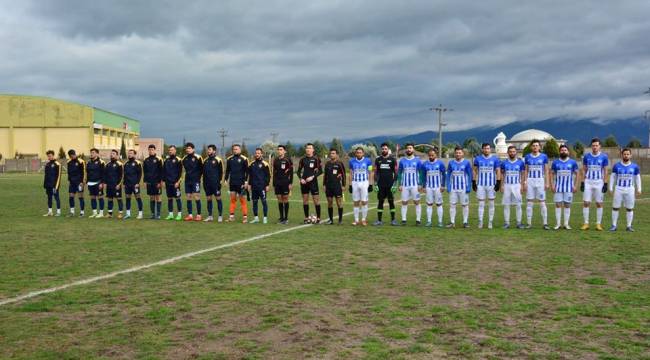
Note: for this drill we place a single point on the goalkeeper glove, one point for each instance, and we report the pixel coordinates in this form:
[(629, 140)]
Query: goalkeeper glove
[(582, 186), (350, 188), (497, 185), (604, 188), (369, 188), (474, 187), (376, 188), (393, 188)]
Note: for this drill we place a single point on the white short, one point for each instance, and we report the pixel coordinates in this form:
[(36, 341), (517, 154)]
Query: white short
[(458, 196), (434, 196), (623, 196), (563, 197), (485, 191), (410, 193), (511, 194), (359, 191), (535, 192), (593, 192)]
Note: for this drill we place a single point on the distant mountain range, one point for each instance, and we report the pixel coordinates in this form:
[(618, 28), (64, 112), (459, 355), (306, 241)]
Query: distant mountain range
[(561, 128)]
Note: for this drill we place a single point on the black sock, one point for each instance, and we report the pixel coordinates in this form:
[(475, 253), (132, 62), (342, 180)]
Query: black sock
[(380, 209), (341, 214), (305, 209), (281, 209), (286, 210), (318, 211), (391, 206), (330, 212)]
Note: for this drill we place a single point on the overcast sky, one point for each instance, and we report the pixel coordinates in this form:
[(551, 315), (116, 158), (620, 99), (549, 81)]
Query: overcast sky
[(318, 69)]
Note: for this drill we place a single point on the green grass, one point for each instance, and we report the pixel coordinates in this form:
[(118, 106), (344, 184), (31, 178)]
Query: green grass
[(319, 292)]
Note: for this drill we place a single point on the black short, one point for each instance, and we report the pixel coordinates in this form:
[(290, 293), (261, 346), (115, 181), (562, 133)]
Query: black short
[(112, 192), (153, 189), (212, 189), (74, 188), (281, 189), (309, 188), (172, 191), (385, 192), (94, 190), (333, 191), (131, 190), (50, 191), (235, 188), (258, 194)]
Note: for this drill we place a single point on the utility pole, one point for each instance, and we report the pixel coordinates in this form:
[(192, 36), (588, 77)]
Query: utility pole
[(274, 137), (222, 133), (647, 118), (440, 109)]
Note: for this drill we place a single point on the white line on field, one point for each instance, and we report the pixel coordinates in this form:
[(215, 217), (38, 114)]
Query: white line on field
[(36, 293)]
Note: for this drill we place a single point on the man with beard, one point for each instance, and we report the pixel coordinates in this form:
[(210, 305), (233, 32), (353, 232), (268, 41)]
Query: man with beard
[(459, 178), (385, 180), (334, 180), (153, 166), (95, 176), (432, 173), (512, 170), (237, 178), (283, 182), (563, 185), (212, 178), (171, 175), (259, 174), (309, 169), (132, 178), (409, 179)]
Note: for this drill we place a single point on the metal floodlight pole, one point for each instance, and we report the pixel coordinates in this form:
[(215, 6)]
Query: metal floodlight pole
[(440, 109), (274, 137), (647, 118), (222, 133)]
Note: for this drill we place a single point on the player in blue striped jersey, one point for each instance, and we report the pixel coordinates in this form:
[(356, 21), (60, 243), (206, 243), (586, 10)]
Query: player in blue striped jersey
[(512, 170), (432, 175), (563, 185), (594, 185), (361, 179), (486, 182), (409, 182), (626, 176), (536, 182), (459, 178)]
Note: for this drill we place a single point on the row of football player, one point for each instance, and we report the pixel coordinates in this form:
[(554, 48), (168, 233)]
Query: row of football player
[(487, 176)]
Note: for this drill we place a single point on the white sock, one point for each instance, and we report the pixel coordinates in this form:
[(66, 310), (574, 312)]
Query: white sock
[(558, 216), (128, 212), (452, 213), (101, 212), (629, 216), (465, 214), (139, 213), (544, 213), (404, 208), (356, 213), (614, 217), (364, 212), (481, 210), (58, 211), (567, 215), (71, 210), (529, 212), (94, 212), (180, 213), (429, 212), (440, 212), (585, 214), (599, 215), (519, 213), (506, 214), (418, 212), (49, 210), (491, 210)]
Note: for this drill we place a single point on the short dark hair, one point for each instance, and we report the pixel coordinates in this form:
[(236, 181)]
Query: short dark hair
[(189, 145), (384, 144), (151, 146), (309, 144), (512, 147), (260, 149), (433, 149), (458, 147), (563, 146), (213, 147), (171, 146), (595, 140), (95, 150), (409, 144), (283, 147), (535, 141), (235, 145), (626, 149), (133, 151), (115, 151), (334, 149), (49, 152), (358, 148), (484, 145), (71, 152)]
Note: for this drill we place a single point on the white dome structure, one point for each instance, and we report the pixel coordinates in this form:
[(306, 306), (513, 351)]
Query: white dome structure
[(523, 138)]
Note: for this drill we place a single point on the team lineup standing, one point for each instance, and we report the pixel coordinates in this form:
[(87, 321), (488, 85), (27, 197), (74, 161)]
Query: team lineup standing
[(250, 180)]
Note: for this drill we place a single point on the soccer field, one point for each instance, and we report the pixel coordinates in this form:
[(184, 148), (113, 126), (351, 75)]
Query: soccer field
[(318, 291)]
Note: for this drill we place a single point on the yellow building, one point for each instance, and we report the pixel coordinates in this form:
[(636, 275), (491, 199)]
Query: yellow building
[(31, 125)]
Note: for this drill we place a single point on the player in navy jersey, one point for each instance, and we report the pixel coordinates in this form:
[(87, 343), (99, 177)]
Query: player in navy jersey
[(625, 177), (114, 179), (51, 182), (459, 178), (193, 166), (172, 175), (152, 167), (361, 179), (77, 181), (563, 184), (512, 171), (487, 181), (237, 178), (95, 180), (408, 178), (259, 175), (432, 175), (594, 185), (133, 174), (536, 182), (213, 172)]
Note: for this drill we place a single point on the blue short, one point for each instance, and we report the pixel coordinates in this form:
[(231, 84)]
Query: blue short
[(192, 188)]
